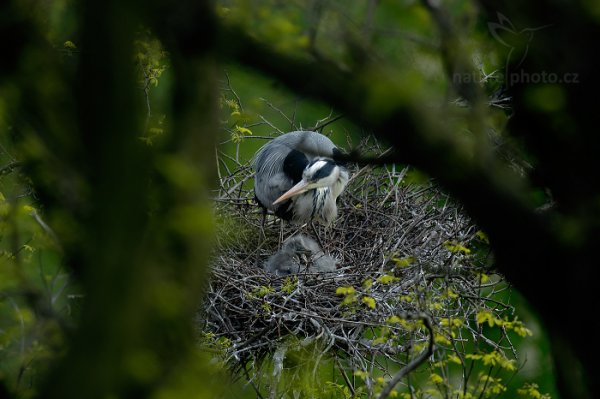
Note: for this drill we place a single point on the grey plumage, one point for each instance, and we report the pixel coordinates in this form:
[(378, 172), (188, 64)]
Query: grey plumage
[(297, 177), (300, 254)]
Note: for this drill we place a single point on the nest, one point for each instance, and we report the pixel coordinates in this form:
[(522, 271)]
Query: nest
[(406, 251)]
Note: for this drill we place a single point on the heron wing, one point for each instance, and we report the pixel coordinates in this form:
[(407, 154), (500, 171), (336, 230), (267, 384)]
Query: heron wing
[(312, 144), (270, 181)]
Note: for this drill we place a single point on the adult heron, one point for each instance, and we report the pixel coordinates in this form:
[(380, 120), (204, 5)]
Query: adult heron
[(298, 178)]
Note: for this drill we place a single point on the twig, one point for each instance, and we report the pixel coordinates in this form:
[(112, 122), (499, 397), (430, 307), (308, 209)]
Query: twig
[(321, 124), (345, 376), (287, 118), (10, 167), (232, 91), (413, 364)]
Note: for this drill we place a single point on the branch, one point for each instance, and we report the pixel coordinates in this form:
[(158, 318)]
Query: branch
[(453, 56), (10, 167), (46, 228), (414, 363)]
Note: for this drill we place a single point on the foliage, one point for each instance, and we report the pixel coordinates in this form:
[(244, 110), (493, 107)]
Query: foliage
[(151, 62), (37, 297)]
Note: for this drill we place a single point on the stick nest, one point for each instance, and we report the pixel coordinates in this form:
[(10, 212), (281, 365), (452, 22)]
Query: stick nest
[(405, 249)]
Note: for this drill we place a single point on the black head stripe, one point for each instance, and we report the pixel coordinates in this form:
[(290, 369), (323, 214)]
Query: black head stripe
[(338, 155), (324, 171), (294, 164)]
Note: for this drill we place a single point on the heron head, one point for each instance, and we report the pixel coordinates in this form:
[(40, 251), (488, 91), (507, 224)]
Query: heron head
[(321, 172)]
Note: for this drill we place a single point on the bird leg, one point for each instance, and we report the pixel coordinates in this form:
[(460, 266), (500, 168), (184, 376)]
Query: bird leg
[(314, 229), (264, 218), (304, 261), (280, 232), (262, 223)]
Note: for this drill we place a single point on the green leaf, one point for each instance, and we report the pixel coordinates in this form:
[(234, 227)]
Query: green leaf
[(289, 285), (436, 378), (348, 290), (454, 359), (361, 374), (69, 45), (456, 247), (243, 130), (485, 316), (482, 236), (450, 322), (532, 390), (262, 291), (369, 301), (386, 279), (404, 262)]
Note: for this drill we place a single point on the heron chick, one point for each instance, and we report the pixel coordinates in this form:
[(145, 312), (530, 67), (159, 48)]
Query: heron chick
[(300, 254), (298, 178)]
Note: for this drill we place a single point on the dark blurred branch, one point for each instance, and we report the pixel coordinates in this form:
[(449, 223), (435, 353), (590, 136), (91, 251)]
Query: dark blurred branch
[(142, 274), (555, 117), (455, 58)]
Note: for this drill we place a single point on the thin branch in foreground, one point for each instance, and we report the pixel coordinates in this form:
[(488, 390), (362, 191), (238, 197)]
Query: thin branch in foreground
[(328, 121), (413, 364)]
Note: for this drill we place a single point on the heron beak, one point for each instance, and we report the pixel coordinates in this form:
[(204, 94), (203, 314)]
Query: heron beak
[(299, 188)]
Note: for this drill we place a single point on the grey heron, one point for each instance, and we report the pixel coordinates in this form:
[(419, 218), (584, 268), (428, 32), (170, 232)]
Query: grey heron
[(298, 178), (300, 254)]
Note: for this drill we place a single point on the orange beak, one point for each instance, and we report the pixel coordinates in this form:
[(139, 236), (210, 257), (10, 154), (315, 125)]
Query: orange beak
[(299, 188)]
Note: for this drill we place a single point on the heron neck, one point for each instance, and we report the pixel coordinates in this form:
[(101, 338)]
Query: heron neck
[(320, 197), (340, 184)]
